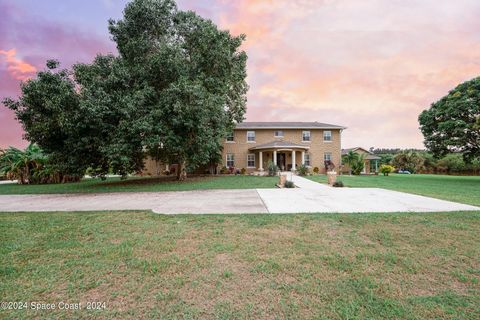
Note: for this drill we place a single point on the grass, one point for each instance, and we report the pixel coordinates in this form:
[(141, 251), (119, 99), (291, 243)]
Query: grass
[(464, 189), (144, 185), (322, 266)]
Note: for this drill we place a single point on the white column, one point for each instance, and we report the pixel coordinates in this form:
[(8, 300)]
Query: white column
[(260, 158), (167, 167), (303, 157), (275, 157), (293, 160)]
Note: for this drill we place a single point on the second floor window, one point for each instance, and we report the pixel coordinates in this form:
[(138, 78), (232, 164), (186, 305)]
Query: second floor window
[(306, 136), (230, 160), (230, 137), (250, 136), (278, 134), (327, 135)]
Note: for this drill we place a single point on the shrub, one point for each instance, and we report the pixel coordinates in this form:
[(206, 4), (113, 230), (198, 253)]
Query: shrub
[(243, 171), (224, 170), (272, 169), (289, 184), (166, 172), (316, 170), (386, 169), (338, 184), (408, 160), (302, 170), (32, 166), (358, 164)]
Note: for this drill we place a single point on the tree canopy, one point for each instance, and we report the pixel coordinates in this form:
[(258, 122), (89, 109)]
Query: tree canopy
[(174, 91), (452, 124)]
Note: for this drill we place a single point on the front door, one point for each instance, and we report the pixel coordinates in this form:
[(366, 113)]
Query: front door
[(281, 161)]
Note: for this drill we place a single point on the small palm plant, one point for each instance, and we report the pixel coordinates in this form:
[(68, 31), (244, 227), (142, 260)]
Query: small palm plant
[(302, 170), (272, 168), (358, 165), (350, 159)]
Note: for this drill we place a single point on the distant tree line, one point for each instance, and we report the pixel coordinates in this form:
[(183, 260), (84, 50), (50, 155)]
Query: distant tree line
[(422, 161)]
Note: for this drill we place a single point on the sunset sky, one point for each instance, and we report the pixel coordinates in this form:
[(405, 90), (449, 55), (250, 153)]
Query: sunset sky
[(370, 65)]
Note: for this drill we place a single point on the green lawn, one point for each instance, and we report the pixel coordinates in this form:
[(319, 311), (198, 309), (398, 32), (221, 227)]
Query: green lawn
[(464, 189), (144, 185), (322, 266)]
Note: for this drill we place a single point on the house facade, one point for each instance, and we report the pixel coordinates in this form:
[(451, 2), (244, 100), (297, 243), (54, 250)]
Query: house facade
[(288, 144), (252, 145)]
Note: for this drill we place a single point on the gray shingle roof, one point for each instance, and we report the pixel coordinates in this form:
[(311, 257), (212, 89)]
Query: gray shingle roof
[(279, 144), (287, 125)]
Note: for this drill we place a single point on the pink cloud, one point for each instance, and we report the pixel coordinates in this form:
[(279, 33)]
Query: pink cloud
[(37, 40), (19, 69), (370, 65)]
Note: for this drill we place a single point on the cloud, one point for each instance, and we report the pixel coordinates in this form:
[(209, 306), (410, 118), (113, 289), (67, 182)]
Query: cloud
[(27, 41), (371, 65), (19, 69)]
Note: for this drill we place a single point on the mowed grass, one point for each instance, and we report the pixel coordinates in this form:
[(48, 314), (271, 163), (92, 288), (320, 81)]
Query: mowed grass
[(137, 184), (322, 266), (464, 189)]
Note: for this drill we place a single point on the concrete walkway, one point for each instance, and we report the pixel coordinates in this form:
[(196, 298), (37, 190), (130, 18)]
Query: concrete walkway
[(310, 196)]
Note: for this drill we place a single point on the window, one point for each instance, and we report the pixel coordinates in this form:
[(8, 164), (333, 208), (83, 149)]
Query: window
[(230, 160), (230, 137), (327, 135), (307, 159), (278, 134), (306, 136), (250, 136), (251, 160), (327, 156)]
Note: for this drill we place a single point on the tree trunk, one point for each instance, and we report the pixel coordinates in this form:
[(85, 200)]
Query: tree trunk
[(181, 172), (157, 167)]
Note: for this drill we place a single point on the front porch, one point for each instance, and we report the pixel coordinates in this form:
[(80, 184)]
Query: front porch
[(286, 155)]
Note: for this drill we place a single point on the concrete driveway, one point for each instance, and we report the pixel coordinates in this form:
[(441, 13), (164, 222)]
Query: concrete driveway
[(309, 197), (315, 197), (201, 201)]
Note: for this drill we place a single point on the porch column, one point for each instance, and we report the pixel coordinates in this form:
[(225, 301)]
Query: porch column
[(303, 157), (293, 160), (167, 167), (376, 165), (275, 157), (260, 156)]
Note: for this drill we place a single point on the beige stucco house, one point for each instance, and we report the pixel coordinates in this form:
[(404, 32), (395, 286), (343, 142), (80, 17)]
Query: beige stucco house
[(288, 144)]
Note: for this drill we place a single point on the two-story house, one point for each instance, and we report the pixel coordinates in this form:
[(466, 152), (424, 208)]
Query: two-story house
[(288, 144), (252, 145)]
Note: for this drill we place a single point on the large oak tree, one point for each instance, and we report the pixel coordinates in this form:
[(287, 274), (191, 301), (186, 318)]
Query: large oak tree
[(174, 91), (452, 124)]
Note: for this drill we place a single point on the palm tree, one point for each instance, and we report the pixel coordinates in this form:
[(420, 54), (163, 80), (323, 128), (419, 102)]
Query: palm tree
[(22, 165), (350, 159), (358, 165)]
